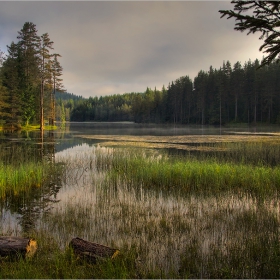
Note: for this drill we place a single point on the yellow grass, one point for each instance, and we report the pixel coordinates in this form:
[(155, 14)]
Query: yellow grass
[(182, 142)]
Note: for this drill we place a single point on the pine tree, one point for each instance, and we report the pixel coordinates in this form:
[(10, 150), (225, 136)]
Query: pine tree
[(56, 70), (1, 58), (44, 55), (259, 16), (29, 43), (10, 80), (200, 85), (4, 105), (237, 84)]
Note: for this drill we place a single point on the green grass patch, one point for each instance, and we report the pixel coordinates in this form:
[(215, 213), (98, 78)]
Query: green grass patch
[(194, 216), (191, 176), (21, 178), (36, 127)]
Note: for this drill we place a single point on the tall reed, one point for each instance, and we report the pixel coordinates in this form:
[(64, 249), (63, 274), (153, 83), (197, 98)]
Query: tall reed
[(186, 217), (254, 153), (191, 176)]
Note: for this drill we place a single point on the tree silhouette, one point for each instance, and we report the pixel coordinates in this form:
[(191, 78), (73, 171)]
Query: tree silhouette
[(259, 16)]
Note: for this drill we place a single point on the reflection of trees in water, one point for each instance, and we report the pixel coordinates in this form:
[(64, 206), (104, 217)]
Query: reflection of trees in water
[(16, 149), (73, 142), (30, 205)]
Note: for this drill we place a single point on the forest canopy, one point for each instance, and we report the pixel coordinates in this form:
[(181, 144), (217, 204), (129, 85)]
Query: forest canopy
[(31, 91), (30, 75), (259, 16), (230, 94)]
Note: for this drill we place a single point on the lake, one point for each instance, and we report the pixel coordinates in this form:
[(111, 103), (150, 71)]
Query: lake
[(165, 228)]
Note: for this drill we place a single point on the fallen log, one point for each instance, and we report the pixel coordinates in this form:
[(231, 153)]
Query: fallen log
[(92, 251), (17, 246)]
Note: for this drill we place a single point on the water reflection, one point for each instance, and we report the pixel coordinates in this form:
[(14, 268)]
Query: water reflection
[(130, 128), (23, 209)]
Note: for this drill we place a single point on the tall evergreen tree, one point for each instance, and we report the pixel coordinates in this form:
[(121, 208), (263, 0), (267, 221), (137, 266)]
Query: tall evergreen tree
[(56, 70), (1, 58), (4, 105), (11, 80), (259, 16), (45, 56), (29, 43), (200, 85), (237, 84)]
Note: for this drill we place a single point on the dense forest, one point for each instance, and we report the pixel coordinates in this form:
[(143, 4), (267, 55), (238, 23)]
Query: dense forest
[(238, 93), (31, 92), (30, 76)]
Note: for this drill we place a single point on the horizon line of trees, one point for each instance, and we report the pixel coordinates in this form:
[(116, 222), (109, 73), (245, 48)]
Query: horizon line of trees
[(30, 75), (247, 94), (31, 91)]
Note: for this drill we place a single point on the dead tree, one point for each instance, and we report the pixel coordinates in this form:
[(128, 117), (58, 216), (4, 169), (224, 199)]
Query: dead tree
[(17, 246), (92, 251)]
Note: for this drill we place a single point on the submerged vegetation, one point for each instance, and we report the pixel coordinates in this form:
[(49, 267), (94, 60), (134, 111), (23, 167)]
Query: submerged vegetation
[(198, 214)]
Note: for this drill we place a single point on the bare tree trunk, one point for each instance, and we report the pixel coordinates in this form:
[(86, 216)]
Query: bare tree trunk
[(42, 106), (236, 108)]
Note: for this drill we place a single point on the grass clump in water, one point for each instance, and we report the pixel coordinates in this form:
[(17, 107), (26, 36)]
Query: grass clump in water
[(23, 167), (17, 179), (191, 176), (261, 153)]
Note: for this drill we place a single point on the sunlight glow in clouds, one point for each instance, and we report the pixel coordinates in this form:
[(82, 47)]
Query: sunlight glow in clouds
[(117, 47)]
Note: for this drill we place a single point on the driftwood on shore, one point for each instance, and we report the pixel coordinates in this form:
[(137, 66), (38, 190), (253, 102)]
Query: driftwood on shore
[(92, 251), (17, 246)]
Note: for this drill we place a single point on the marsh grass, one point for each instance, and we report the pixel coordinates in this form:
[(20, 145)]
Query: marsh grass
[(50, 262), (22, 168), (192, 176), (171, 217), (263, 149), (260, 153), (22, 178)]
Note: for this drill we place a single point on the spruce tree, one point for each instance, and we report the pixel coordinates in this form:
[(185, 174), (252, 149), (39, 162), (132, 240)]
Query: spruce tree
[(237, 84), (259, 16), (29, 43), (11, 81), (44, 56), (4, 105), (56, 73)]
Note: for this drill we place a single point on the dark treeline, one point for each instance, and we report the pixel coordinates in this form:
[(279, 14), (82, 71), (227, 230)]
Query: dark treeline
[(31, 86), (230, 94), (30, 76)]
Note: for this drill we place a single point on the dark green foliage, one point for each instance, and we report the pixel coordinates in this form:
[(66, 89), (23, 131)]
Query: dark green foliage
[(218, 96), (259, 16), (27, 78), (11, 81), (67, 96), (4, 102), (109, 108)]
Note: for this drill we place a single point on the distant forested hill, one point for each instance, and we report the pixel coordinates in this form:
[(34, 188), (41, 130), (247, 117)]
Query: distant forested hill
[(65, 103), (67, 96), (230, 94)]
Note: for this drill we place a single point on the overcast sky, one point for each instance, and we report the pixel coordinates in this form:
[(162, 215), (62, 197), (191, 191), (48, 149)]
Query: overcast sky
[(111, 47)]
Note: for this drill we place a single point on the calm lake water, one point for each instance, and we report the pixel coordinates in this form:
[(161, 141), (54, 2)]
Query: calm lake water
[(153, 222)]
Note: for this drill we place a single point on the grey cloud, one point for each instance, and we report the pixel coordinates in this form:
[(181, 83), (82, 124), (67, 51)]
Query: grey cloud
[(127, 46)]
